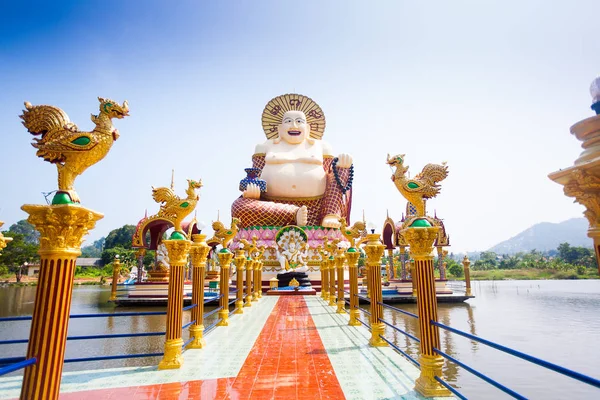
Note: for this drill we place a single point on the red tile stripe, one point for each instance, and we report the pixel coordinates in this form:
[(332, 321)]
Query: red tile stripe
[(287, 361)]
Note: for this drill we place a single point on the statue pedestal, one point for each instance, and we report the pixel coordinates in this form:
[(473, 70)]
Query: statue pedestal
[(286, 277), (158, 276)]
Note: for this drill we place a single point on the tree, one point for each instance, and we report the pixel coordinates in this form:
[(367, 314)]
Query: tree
[(94, 250), (17, 252), (120, 237), (27, 230)]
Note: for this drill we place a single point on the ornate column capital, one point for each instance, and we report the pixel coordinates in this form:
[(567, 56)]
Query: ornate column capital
[(420, 240), (178, 250), (62, 227), (199, 249), (374, 250)]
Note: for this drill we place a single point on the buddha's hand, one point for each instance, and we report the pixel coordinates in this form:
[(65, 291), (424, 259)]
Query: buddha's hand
[(344, 161), (252, 191)]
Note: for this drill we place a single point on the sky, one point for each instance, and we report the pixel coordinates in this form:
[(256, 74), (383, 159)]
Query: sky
[(490, 87)]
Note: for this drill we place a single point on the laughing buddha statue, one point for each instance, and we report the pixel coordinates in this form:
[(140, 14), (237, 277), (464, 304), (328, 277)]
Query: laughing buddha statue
[(301, 183)]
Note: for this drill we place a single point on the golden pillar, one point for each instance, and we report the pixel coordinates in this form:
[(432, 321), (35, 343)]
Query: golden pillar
[(257, 282), (260, 271), (178, 251), (198, 253), (61, 228), (115, 278), (331, 268), (321, 268), (392, 272), (325, 281), (421, 241), (249, 270), (339, 263), (374, 250), (403, 262), (225, 257), (240, 260), (352, 256), (466, 263), (412, 278)]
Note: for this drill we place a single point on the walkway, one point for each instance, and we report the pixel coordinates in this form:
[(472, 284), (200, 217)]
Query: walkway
[(289, 347)]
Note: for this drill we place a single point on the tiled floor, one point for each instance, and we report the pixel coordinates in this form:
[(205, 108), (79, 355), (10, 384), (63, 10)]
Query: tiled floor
[(289, 347)]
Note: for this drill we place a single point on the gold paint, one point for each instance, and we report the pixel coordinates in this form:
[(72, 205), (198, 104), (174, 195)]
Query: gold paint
[(171, 207), (115, 279), (178, 255), (62, 228), (352, 258), (225, 258), (224, 235), (240, 260), (57, 135), (273, 114), (420, 240), (249, 269), (466, 263), (294, 283), (3, 240), (358, 230), (374, 250), (340, 259), (198, 253), (425, 182)]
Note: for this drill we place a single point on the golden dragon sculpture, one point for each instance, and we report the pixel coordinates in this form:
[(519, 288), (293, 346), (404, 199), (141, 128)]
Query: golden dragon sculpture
[(60, 142), (223, 234), (356, 231), (3, 240), (420, 188), (173, 207)]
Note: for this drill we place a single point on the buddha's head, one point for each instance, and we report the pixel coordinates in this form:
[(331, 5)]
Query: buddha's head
[(293, 128)]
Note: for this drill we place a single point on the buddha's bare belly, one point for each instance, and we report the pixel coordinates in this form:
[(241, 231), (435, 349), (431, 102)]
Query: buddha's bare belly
[(294, 179)]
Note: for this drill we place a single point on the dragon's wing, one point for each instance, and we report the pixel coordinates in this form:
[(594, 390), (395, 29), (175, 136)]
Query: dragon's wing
[(54, 146), (163, 195)]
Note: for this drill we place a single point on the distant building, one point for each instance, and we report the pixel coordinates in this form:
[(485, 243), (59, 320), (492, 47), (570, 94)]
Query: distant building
[(32, 269)]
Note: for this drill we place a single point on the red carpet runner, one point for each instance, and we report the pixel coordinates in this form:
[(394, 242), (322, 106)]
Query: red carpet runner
[(288, 361)]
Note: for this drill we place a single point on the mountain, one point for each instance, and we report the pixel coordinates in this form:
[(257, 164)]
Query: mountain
[(547, 236)]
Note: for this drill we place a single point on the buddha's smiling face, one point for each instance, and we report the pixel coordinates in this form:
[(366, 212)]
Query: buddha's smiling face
[(293, 128)]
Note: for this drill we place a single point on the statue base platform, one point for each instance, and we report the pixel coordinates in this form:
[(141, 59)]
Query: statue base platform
[(286, 277), (158, 276), (292, 291)]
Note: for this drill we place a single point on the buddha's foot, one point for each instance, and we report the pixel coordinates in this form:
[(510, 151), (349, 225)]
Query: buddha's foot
[(302, 216), (331, 221)]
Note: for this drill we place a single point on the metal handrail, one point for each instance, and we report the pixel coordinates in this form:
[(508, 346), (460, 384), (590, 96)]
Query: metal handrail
[(362, 297), (188, 324), (546, 364), (119, 357), (231, 302), (450, 388), (18, 365), (188, 342), (400, 330), (212, 326), (478, 374), (364, 323), (212, 312), (363, 310), (399, 310), (398, 349), (190, 307)]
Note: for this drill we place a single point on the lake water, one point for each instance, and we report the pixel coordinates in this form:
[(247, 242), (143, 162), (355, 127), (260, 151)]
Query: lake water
[(558, 321)]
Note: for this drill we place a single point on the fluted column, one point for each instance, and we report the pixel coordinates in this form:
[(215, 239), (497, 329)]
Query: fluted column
[(249, 271), (374, 250), (421, 240), (352, 256), (325, 281), (412, 278), (331, 268), (178, 251), (403, 263), (240, 260), (115, 278), (339, 263), (61, 228), (260, 272), (225, 257), (257, 282), (198, 253), (466, 263)]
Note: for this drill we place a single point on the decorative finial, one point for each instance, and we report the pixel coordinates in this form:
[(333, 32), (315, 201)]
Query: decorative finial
[(364, 219), (595, 92), (173, 179), (218, 215)]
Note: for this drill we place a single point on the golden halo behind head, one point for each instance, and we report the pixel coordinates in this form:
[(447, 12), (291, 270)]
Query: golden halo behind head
[(274, 110)]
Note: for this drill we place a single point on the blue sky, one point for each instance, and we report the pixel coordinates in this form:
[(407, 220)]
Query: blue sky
[(490, 87)]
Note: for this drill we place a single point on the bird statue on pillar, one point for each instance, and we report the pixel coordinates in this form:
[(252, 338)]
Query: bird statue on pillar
[(420, 188), (73, 151), (223, 234)]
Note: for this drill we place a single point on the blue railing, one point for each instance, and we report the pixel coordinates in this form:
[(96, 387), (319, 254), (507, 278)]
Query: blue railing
[(17, 365)]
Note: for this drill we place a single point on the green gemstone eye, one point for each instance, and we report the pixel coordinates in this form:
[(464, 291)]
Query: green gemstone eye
[(81, 141), (412, 185), (184, 204)]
